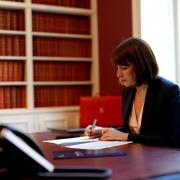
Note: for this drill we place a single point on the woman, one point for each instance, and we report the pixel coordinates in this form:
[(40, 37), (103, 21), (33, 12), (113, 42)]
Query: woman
[(151, 104)]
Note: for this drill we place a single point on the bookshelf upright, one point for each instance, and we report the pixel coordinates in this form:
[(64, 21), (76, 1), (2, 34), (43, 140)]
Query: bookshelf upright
[(48, 59)]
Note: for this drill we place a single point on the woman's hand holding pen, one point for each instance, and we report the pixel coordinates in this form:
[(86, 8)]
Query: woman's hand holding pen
[(93, 131), (105, 134)]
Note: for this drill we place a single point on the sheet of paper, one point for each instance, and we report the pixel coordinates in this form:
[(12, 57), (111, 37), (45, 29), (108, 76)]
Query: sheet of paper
[(99, 144), (82, 139)]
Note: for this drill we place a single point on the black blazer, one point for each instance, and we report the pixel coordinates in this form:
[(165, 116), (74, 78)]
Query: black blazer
[(161, 114)]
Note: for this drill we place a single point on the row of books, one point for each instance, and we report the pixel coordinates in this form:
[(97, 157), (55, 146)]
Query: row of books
[(44, 96), (12, 70), (68, 3), (12, 20), (61, 71), (12, 97), (59, 23), (64, 47), (12, 45), (53, 96)]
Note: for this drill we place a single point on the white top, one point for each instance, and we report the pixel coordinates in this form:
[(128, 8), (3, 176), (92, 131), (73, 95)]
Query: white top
[(134, 121)]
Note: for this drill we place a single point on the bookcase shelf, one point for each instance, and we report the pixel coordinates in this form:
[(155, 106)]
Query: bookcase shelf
[(48, 59), (72, 59), (13, 58), (9, 32), (10, 4), (63, 83), (13, 83), (61, 9), (61, 35)]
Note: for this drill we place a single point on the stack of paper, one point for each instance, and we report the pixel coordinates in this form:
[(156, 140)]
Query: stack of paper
[(87, 143)]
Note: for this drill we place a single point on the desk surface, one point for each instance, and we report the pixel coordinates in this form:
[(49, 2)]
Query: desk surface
[(141, 162)]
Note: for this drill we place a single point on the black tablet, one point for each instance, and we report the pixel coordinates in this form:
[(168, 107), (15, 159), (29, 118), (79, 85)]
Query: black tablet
[(23, 156)]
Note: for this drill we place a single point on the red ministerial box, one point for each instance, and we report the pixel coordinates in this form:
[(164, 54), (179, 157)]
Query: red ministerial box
[(106, 109)]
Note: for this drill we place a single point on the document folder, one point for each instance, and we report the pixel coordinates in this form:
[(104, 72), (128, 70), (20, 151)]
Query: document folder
[(106, 109), (87, 154)]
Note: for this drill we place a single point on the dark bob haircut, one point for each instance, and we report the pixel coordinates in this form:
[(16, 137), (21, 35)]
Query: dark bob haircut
[(137, 52)]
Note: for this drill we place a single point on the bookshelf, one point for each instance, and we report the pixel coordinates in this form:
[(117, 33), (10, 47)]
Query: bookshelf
[(48, 59)]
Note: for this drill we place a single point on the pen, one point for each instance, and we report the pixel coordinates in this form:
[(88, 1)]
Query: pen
[(92, 129), (94, 123)]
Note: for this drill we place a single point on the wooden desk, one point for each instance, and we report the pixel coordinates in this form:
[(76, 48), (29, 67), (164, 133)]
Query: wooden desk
[(141, 162)]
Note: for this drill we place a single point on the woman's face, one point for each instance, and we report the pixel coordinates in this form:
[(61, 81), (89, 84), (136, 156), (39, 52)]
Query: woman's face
[(126, 75)]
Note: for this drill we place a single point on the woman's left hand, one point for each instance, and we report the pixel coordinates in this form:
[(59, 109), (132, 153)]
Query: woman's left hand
[(113, 134)]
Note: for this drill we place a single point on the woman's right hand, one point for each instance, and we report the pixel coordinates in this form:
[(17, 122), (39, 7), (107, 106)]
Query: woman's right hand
[(93, 132)]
